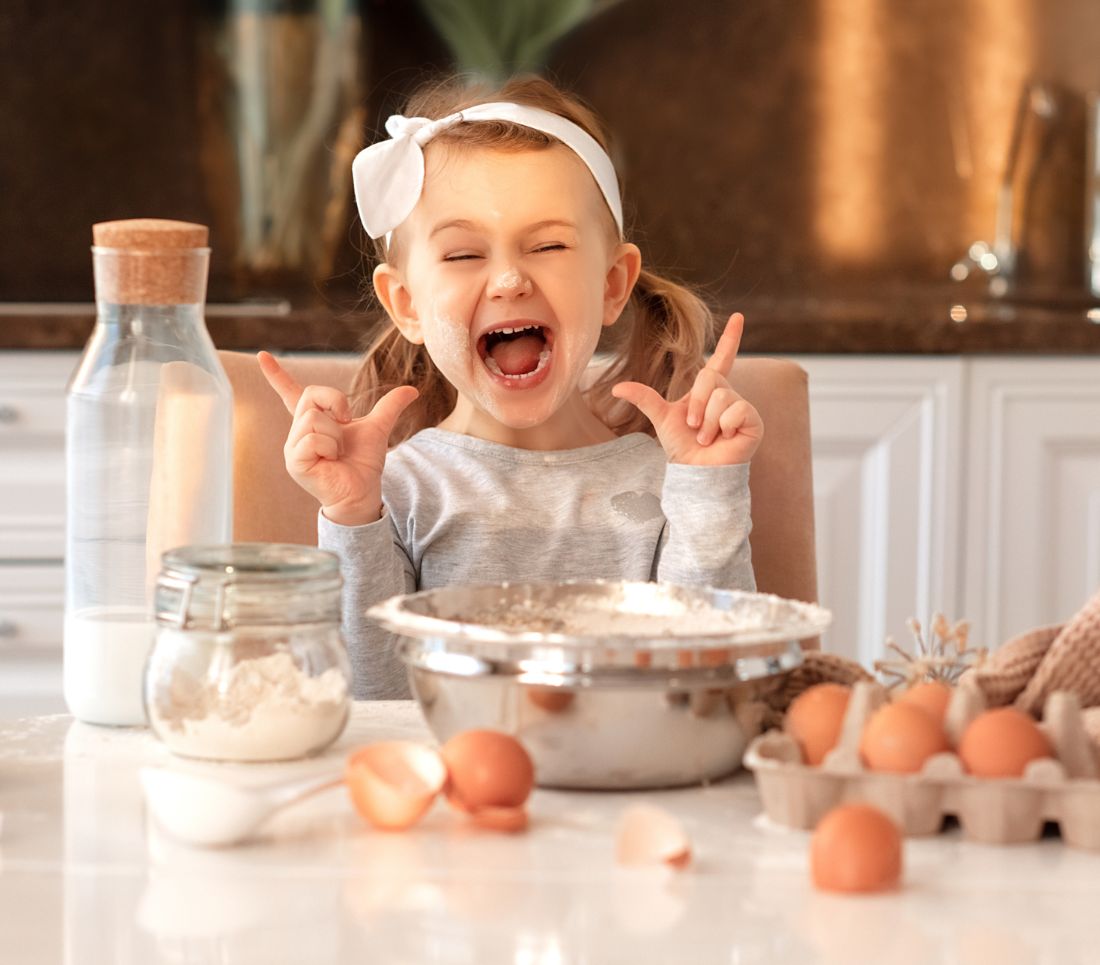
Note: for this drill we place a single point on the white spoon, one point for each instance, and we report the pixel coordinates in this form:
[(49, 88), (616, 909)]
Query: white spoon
[(206, 810)]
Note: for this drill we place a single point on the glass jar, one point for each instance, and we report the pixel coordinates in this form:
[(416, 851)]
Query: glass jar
[(148, 455), (249, 663)]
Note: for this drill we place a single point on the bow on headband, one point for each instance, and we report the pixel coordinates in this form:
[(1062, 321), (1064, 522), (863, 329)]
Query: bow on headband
[(388, 177)]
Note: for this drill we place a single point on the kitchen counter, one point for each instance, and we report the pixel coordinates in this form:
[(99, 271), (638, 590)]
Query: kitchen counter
[(85, 877), (902, 321)]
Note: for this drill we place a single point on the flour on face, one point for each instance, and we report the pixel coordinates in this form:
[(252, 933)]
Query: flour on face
[(512, 281)]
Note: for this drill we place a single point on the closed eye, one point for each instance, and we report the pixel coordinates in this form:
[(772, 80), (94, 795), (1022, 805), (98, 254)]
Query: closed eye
[(554, 247), (460, 257)]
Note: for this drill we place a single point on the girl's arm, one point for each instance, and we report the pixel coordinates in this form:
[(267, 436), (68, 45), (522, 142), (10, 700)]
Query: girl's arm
[(706, 539), (709, 436), (375, 567), (339, 461)]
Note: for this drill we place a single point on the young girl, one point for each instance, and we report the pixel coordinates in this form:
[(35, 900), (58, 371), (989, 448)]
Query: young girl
[(502, 260)]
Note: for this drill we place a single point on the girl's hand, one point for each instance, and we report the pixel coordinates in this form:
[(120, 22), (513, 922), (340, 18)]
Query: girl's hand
[(335, 458), (711, 425)]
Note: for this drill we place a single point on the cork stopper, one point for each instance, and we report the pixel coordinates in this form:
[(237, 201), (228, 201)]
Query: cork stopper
[(150, 261), (145, 234)]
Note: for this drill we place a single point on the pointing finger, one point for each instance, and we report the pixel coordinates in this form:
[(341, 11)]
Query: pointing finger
[(388, 409), (645, 398), (280, 380), (725, 352)]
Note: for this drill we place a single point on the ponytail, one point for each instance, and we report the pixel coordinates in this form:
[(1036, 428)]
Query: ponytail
[(667, 331)]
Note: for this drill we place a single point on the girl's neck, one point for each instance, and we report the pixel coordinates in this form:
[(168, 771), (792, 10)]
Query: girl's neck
[(573, 426)]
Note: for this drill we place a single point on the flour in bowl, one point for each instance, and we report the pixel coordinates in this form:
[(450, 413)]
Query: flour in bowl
[(599, 616)]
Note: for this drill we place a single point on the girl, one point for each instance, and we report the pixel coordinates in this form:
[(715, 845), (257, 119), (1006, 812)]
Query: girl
[(502, 260)]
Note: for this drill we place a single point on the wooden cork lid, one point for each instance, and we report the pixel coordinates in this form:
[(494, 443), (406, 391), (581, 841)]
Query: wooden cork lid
[(145, 234), (150, 261)]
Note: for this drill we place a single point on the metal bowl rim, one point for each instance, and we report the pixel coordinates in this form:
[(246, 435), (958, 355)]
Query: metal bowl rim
[(395, 615)]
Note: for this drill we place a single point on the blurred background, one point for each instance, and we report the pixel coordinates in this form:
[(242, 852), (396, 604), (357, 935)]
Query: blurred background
[(822, 152), (902, 196)]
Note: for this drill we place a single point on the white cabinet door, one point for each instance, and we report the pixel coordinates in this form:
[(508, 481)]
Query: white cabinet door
[(886, 482), (32, 454), (32, 528), (1033, 494)]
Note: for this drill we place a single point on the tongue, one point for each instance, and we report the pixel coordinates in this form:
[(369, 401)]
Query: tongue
[(518, 356)]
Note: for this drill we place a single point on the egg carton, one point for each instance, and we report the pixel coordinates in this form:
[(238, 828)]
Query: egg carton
[(1064, 789)]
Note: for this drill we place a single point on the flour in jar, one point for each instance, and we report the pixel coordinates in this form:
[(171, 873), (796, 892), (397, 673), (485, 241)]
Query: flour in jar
[(261, 709)]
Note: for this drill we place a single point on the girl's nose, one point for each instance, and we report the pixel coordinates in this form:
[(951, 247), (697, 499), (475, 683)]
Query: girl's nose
[(509, 283)]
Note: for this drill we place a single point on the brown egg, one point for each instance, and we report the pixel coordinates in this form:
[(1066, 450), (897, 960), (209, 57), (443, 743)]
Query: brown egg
[(931, 696), (814, 719), (392, 783), (900, 737), (1001, 743), (855, 848), (487, 769)]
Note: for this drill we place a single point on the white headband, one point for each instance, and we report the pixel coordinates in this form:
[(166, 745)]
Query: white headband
[(389, 176)]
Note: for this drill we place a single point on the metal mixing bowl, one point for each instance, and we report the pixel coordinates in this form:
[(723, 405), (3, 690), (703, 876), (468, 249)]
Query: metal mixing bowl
[(609, 685)]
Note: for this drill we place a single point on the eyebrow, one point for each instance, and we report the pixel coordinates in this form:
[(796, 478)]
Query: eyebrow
[(474, 226)]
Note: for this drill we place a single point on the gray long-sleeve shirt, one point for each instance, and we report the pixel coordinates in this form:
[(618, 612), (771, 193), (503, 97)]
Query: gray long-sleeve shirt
[(463, 510)]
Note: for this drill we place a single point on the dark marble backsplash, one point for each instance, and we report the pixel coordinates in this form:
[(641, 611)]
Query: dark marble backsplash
[(770, 148)]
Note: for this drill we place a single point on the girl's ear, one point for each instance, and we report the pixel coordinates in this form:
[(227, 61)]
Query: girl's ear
[(396, 299), (622, 275)]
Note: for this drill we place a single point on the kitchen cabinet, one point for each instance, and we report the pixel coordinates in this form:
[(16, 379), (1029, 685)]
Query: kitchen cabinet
[(32, 525), (1032, 493), (967, 486), (887, 439), (964, 485)]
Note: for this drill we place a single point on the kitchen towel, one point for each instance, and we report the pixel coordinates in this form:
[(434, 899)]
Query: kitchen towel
[(1030, 667)]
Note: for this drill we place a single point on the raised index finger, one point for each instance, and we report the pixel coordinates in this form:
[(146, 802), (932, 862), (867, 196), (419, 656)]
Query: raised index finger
[(725, 352), (280, 380)]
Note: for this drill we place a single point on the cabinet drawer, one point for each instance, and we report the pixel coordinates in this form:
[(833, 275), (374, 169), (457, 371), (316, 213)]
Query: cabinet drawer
[(32, 602), (32, 454)]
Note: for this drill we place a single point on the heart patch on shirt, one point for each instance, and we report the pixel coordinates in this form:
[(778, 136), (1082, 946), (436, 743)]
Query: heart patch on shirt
[(636, 507)]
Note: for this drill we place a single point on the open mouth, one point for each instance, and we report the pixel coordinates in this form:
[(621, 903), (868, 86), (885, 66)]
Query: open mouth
[(516, 353)]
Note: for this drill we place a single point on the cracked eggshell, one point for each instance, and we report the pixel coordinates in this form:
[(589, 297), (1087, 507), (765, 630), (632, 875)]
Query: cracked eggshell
[(648, 835), (393, 783), (508, 820)]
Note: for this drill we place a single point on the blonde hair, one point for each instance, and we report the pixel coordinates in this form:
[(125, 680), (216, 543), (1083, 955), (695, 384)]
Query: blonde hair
[(660, 339)]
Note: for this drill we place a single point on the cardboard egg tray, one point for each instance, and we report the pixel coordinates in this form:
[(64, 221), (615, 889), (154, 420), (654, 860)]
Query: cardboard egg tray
[(1065, 789)]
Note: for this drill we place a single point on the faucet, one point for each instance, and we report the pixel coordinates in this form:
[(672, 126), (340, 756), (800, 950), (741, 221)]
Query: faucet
[(1036, 112), (1092, 193)]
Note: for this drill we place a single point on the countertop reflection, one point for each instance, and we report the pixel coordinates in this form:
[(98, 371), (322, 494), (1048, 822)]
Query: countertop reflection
[(86, 878)]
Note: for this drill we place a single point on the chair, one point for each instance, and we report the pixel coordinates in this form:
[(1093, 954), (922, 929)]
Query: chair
[(269, 506)]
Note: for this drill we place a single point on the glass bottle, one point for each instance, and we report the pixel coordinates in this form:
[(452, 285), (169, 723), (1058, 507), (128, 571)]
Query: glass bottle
[(249, 662), (148, 452)]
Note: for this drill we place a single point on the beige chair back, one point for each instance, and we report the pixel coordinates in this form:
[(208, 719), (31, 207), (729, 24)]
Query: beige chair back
[(269, 506)]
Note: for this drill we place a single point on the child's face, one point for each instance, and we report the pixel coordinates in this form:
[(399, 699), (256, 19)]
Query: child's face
[(508, 240)]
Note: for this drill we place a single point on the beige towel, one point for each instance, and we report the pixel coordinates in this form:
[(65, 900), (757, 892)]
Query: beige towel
[(1007, 670), (1071, 663)]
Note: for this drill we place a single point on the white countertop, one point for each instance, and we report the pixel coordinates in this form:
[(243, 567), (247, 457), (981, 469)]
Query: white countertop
[(85, 878)]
